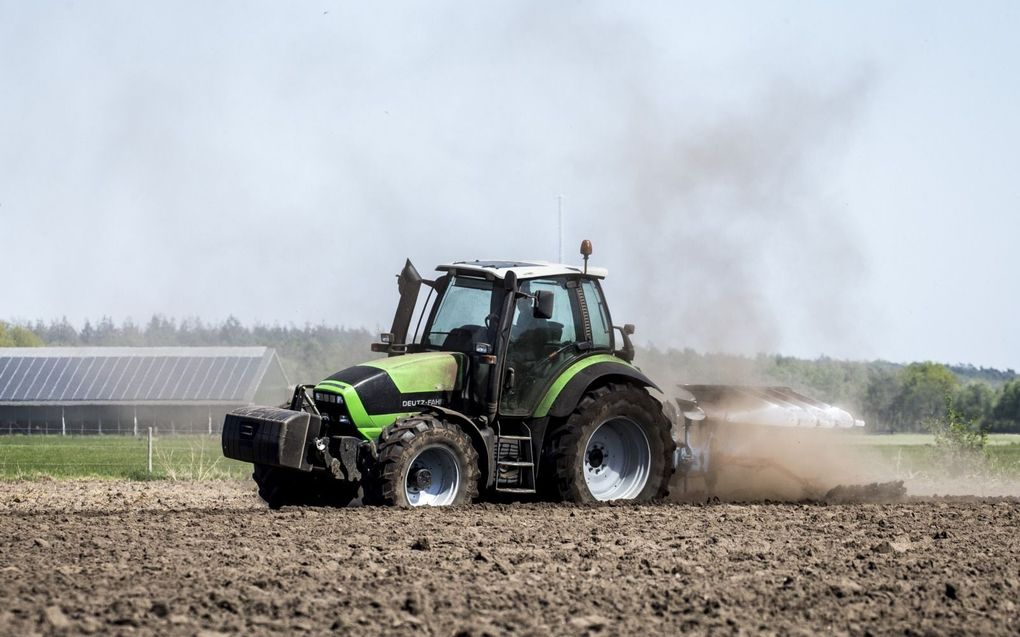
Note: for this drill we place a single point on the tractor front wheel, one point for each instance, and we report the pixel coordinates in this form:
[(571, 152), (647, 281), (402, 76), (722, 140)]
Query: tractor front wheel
[(616, 445), (424, 461)]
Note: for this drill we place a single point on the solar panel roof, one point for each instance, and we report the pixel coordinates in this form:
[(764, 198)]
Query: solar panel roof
[(132, 374)]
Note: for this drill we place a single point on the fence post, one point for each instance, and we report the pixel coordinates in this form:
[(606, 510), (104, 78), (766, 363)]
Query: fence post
[(150, 451), (210, 423), (63, 424), (136, 421)]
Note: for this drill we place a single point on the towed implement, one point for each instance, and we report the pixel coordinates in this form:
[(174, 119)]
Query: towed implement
[(514, 382)]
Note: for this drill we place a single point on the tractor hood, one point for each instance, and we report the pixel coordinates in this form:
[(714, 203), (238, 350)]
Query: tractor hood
[(379, 392)]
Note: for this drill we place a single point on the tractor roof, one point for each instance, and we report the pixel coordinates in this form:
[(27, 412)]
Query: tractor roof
[(523, 269)]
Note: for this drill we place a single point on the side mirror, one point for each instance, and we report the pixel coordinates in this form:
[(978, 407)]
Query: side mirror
[(543, 308)]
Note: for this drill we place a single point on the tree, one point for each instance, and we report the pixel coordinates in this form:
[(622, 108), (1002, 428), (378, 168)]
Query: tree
[(879, 402), (18, 336), (974, 402), (1006, 413), (923, 389)]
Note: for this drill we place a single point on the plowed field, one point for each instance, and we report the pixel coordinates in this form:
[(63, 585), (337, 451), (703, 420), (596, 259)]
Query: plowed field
[(205, 558)]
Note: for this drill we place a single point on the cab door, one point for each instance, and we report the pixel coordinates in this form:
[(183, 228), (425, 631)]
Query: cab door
[(539, 349)]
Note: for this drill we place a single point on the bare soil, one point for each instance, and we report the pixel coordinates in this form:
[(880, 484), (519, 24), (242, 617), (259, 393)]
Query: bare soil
[(207, 558)]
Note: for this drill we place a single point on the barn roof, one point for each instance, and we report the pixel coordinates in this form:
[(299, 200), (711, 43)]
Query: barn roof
[(132, 375)]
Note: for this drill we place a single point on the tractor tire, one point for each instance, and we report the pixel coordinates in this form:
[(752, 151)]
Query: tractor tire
[(424, 461), (287, 487), (616, 445)]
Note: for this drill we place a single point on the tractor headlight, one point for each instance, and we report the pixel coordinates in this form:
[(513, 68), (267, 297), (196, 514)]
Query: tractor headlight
[(329, 398)]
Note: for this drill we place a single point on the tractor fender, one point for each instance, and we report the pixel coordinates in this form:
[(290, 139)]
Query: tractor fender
[(482, 441), (596, 374)]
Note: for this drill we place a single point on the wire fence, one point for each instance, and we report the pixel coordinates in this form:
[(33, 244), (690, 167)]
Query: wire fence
[(208, 423), (146, 456)]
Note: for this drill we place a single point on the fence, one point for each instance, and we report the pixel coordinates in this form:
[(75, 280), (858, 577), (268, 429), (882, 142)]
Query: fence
[(146, 456), (111, 419)]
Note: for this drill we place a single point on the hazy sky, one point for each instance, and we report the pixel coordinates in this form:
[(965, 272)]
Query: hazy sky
[(803, 178)]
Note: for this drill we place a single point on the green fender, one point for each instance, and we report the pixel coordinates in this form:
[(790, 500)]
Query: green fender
[(566, 391)]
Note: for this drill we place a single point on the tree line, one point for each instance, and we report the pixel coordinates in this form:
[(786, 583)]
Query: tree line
[(891, 397)]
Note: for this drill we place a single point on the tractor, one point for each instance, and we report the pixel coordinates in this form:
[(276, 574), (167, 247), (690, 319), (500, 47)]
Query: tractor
[(515, 383)]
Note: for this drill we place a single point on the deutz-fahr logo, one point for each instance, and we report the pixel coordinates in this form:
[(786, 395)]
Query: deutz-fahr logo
[(422, 401)]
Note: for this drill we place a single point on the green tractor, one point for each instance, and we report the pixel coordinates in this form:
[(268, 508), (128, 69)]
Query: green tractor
[(511, 384)]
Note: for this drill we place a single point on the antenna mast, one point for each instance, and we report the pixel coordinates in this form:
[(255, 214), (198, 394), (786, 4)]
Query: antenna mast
[(560, 210)]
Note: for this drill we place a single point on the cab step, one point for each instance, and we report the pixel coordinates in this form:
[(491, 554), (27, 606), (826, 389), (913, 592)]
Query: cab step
[(515, 467)]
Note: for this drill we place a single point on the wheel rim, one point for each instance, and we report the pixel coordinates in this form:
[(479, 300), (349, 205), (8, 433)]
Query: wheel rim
[(433, 477), (617, 460)]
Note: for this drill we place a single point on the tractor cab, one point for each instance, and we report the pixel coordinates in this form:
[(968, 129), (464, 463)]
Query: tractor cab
[(516, 324)]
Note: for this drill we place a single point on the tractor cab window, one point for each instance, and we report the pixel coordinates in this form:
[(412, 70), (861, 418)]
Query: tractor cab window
[(464, 316), (601, 330), (540, 347)]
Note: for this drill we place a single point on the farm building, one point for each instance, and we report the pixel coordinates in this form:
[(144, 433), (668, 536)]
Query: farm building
[(127, 389)]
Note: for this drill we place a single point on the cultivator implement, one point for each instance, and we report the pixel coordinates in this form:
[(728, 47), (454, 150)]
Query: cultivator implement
[(763, 406), (738, 426)]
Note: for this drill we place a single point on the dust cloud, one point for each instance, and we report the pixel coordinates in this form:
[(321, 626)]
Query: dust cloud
[(739, 241), (745, 463), (756, 463)]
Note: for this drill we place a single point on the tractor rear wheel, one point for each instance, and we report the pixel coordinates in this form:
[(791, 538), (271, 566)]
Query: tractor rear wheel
[(424, 461), (616, 445), (287, 487)]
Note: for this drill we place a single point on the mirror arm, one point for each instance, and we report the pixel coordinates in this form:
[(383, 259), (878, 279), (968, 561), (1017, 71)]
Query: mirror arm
[(627, 353)]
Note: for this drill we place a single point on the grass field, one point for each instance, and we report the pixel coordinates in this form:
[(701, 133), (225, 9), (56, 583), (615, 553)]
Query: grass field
[(173, 457), (910, 440), (200, 457), (917, 453)]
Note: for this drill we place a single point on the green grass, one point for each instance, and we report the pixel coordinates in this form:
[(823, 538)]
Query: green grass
[(173, 457), (200, 457), (907, 440), (917, 452)]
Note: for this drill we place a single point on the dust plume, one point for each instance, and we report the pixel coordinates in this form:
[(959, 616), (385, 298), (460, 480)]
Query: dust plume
[(745, 463), (755, 463), (736, 242)]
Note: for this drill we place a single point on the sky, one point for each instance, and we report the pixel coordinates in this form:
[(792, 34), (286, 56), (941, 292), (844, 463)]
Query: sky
[(801, 178)]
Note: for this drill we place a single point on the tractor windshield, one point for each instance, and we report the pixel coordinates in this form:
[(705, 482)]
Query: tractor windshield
[(464, 316)]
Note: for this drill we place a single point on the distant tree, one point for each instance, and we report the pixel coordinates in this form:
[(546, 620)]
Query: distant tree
[(57, 332), (233, 333), (1006, 413), (923, 389), (106, 333), (880, 397), (130, 335), (18, 336), (87, 335), (974, 402), (161, 331)]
